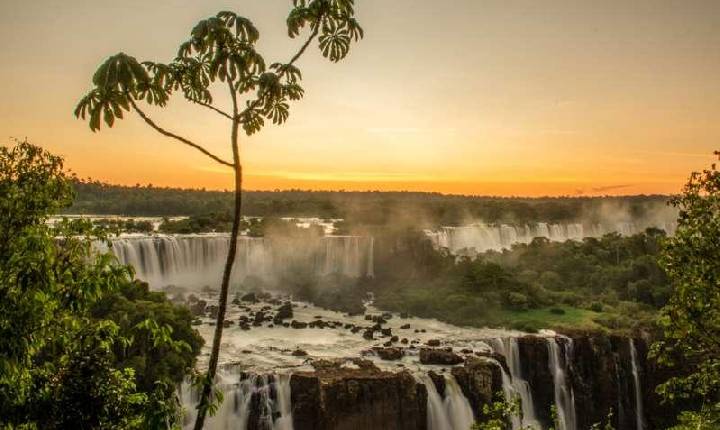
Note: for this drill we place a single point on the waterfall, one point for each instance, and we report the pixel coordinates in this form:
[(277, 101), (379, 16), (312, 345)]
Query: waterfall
[(481, 237), (515, 385), (639, 415), (564, 396), (457, 405), (450, 413), (198, 260), (265, 398)]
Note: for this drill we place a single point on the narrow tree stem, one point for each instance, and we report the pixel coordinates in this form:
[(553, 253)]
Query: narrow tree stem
[(209, 380), (164, 132)]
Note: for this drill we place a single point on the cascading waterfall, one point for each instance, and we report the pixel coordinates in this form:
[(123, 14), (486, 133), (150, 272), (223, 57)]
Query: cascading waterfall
[(515, 385), (482, 237), (564, 396), (457, 405), (639, 414), (270, 395), (198, 260), (453, 412)]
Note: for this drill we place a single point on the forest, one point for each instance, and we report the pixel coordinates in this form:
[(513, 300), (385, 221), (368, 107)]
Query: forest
[(367, 208)]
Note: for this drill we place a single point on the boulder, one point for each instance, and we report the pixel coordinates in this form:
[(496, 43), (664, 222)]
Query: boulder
[(249, 297), (298, 324), (388, 353), (197, 308), (439, 356)]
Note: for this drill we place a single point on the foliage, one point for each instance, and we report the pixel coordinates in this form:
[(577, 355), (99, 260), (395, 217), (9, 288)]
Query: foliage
[(611, 281), (498, 414), (58, 362), (691, 319)]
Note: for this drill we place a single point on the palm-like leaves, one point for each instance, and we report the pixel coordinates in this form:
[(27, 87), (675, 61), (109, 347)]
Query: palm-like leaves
[(222, 48)]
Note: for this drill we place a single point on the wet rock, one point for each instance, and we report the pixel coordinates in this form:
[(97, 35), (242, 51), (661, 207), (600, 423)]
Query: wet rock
[(228, 323), (394, 339), (197, 308), (388, 353), (298, 324), (337, 397), (405, 326), (244, 326), (386, 332), (439, 356), (479, 379), (404, 340), (369, 334), (317, 324), (249, 297), (368, 317), (299, 353), (439, 382), (286, 325), (259, 317), (433, 342)]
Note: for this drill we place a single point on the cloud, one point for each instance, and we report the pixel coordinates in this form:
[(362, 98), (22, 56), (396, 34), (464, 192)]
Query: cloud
[(602, 189)]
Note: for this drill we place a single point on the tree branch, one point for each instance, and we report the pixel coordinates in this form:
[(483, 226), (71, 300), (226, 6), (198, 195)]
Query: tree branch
[(164, 132), (211, 107)]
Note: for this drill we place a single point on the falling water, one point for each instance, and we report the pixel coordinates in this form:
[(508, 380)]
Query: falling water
[(482, 237), (639, 415), (516, 386), (457, 405), (274, 412), (198, 260), (450, 413), (437, 418), (564, 397)]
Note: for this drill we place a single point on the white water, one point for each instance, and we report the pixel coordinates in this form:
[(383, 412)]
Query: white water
[(515, 385), (564, 396), (453, 412), (639, 414), (481, 237), (235, 410), (198, 260)]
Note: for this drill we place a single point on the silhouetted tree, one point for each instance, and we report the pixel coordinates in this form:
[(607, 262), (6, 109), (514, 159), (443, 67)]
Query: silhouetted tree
[(221, 50)]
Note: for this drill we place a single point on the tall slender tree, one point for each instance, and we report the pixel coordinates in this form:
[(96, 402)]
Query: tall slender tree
[(221, 54)]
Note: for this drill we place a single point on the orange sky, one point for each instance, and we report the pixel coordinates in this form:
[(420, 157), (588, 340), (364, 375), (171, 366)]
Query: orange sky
[(464, 96)]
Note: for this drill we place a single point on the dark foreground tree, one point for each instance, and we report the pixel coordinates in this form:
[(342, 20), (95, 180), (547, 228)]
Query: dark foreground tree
[(691, 319), (221, 53), (81, 345)]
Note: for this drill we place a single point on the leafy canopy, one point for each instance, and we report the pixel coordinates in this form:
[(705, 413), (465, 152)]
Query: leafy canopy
[(221, 49), (81, 345), (691, 319)]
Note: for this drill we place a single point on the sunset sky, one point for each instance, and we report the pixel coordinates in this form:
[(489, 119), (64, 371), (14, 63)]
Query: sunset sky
[(460, 96)]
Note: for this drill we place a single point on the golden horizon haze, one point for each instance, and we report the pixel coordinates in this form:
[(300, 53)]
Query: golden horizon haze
[(462, 97)]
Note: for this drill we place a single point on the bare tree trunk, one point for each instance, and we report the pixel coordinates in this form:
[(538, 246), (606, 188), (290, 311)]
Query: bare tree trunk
[(208, 383)]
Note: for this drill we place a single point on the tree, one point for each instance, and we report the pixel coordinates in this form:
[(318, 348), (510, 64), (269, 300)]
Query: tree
[(60, 322), (221, 50), (691, 318)]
